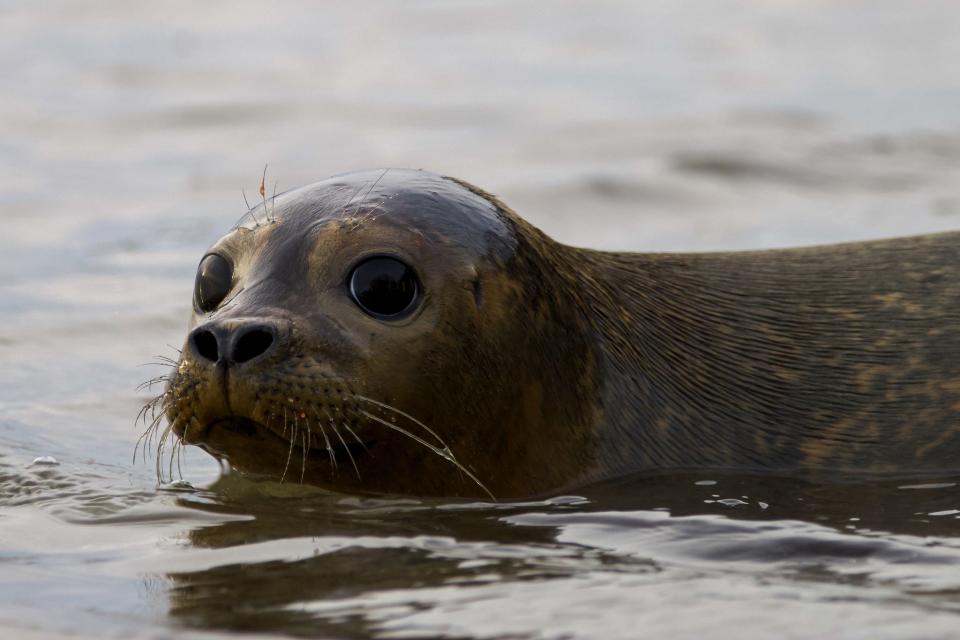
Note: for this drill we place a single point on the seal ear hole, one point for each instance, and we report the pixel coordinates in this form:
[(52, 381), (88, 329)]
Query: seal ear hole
[(478, 292), (384, 287)]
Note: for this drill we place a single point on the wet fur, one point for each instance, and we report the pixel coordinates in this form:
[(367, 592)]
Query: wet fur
[(827, 359), (570, 365)]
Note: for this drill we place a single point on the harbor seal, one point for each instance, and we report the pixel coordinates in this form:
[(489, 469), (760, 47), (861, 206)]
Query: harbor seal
[(399, 331)]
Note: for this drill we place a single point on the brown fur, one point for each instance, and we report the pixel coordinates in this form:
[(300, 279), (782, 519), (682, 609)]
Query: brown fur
[(544, 366)]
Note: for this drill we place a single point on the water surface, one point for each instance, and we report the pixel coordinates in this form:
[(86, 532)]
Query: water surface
[(127, 133)]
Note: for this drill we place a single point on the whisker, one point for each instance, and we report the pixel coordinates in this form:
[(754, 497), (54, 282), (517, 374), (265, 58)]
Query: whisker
[(293, 433), (156, 420), (326, 441), (405, 415), (263, 192), (346, 425), (304, 446), (310, 433), (356, 209), (273, 202), (173, 454), (161, 447), (151, 408), (445, 453), (152, 381), (380, 204), (355, 194), (142, 441), (157, 364), (346, 448), (183, 440), (369, 214), (145, 437), (142, 414)]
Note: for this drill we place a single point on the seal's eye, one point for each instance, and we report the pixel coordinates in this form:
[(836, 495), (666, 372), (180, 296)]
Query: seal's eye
[(214, 278), (384, 287)]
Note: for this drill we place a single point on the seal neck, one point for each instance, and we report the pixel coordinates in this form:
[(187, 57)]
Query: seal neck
[(803, 359)]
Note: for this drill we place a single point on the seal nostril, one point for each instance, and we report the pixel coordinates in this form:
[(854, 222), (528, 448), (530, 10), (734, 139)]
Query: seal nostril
[(253, 343), (205, 344)]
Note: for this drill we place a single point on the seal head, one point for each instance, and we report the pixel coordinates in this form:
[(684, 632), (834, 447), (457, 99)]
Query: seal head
[(385, 331)]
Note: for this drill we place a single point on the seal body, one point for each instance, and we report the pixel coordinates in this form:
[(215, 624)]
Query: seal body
[(522, 366)]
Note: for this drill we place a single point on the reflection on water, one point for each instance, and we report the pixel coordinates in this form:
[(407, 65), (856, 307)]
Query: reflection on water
[(128, 132), (668, 551), (275, 558)]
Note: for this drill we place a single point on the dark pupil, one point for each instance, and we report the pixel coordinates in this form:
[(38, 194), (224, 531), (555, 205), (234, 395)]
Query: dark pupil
[(383, 286), (214, 277)]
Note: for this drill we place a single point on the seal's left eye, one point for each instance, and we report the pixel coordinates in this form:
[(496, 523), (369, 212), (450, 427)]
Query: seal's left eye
[(384, 287), (214, 280)]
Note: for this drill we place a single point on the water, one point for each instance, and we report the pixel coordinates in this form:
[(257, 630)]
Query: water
[(128, 132)]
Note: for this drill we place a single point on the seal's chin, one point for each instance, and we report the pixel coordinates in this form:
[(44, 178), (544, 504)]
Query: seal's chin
[(247, 443)]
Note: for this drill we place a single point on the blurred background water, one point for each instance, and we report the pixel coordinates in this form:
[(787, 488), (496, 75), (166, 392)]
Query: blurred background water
[(127, 131)]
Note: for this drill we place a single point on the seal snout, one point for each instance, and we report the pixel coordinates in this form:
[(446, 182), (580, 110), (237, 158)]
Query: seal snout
[(233, 342)]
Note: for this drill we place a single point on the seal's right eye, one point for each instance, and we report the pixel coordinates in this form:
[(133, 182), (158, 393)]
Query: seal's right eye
[(214, 279)]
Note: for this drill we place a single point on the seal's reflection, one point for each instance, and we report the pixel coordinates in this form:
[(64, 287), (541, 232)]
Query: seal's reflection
[(360, 545), (334, 551)]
